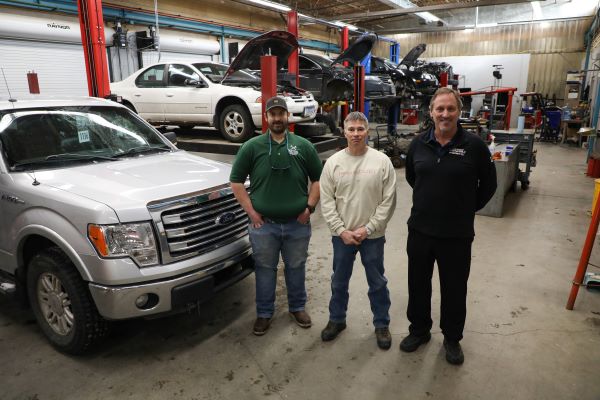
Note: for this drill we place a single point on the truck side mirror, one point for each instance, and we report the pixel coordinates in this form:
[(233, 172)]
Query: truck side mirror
[(171, 136)]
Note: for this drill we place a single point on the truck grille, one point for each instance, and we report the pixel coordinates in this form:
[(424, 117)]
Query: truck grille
[(204, 224)]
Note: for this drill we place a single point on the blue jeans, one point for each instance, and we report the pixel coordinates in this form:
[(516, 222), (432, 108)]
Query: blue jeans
[(371, 254), (291, 240)]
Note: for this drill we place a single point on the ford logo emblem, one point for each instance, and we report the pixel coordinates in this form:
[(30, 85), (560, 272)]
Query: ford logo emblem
[(225, 218)]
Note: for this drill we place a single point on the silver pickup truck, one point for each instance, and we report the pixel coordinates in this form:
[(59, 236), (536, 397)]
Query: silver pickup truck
[(102, 218)]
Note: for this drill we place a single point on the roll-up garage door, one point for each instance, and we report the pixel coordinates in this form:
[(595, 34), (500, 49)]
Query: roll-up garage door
[(60, 68)]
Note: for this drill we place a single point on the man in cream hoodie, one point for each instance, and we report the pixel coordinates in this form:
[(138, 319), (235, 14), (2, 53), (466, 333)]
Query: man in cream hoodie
[(358, 198)]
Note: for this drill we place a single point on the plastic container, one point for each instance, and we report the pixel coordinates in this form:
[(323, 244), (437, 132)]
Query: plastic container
[(566, 113), (520, 124)]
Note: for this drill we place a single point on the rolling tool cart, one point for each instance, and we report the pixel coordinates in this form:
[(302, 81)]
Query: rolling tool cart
[(527, 154)]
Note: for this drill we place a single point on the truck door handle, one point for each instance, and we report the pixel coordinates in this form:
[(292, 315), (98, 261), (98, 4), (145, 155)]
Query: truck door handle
[(170, 95), (137, 95)]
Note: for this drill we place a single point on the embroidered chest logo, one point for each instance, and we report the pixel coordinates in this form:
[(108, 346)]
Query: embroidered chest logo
[(458, 152), (293, 150)]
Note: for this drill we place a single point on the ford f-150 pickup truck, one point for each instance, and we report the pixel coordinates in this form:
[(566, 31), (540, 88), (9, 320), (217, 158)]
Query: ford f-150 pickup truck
[(102, 218)]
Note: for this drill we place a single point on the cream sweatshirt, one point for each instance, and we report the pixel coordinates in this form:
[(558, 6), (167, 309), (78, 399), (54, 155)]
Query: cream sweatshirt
[(358, 191)]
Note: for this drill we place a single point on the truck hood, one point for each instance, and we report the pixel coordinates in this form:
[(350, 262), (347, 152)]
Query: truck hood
[(127, 186), (274, 43)]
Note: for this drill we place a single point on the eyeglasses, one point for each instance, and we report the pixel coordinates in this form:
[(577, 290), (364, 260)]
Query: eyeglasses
[(279, 168)]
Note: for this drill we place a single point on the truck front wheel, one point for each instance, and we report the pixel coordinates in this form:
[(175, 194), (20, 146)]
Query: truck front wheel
[(62, 304)]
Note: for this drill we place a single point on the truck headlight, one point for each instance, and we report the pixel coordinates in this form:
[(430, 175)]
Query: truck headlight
[(125, 240)]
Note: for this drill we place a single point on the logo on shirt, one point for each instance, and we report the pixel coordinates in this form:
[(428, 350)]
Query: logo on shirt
[(458, 152), (293, 150)]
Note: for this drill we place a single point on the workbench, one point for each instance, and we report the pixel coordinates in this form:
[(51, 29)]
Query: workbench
[(507, 173)]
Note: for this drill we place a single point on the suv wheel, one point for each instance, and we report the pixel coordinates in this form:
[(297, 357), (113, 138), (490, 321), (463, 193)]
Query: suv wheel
[(236, 123), (62, 304)]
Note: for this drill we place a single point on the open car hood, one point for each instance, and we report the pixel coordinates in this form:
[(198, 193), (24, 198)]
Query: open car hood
[(357, 50), (413, 54), (274, 43)]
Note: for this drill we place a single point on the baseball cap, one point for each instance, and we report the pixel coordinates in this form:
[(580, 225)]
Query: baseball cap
[(276, 101)]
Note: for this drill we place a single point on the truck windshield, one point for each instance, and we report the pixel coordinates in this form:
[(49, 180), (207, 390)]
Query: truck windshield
[(45, 138)]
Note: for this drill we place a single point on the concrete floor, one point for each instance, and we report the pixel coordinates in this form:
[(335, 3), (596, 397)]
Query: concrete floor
[(520, 342)]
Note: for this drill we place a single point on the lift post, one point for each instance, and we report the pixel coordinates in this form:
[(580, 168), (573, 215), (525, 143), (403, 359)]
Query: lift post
[(394, 110), (359, 88), (366, 63), (91, 23), (344, 46), (268, 84), (293, 63)]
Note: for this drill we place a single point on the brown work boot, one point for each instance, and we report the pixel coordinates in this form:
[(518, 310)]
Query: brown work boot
[(301, 318), (261, 325), (384, 338)]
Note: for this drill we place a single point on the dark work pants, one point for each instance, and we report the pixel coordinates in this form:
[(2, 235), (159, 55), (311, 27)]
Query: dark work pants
[(453, 256)]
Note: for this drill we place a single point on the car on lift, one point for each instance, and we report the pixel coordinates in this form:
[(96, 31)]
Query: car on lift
[(213, 94), (102, 218), (386, 69), (425, 83), (330, 81)]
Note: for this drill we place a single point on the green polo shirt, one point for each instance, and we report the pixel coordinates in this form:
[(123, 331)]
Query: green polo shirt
[(279, 181)]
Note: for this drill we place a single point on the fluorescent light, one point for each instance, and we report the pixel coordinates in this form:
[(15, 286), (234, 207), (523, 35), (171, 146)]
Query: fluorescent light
[(343, 24), (428, 17), (487, 25), (537, 10), (271, 4)]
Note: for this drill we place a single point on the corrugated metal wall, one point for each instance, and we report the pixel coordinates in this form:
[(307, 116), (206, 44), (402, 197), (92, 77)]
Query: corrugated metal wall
[(555, 48)]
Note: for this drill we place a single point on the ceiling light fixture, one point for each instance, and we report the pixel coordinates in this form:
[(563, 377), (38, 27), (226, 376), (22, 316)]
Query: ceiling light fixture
[(343, 24), (537, 10), (271, 4)]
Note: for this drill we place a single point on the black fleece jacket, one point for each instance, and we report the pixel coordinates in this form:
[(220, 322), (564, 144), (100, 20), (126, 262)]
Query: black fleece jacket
[(449, 186)]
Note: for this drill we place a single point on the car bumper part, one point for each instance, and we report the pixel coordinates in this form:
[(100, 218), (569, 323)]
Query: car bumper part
[(119, 302)]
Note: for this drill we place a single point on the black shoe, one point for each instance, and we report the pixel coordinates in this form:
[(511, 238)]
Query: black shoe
[(332, 330), (412, 342), (454, 353), (384, 338)]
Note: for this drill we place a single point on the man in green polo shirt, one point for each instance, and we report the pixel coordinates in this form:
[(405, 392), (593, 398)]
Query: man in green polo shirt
[(284, 171)]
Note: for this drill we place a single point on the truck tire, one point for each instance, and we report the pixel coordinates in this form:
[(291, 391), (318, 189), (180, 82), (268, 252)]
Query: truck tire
[(235, 123), (62, 304), (310, 129)]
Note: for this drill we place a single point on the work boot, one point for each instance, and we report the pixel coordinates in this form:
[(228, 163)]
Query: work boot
[(332, 330), (412, 342), (454, 353), (384, 338), (261, 325), (301, 318)]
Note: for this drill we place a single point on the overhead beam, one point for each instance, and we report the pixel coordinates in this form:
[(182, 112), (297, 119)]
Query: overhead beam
[(366, 15)]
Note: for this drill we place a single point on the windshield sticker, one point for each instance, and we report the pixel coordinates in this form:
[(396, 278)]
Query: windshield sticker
[(84, 136)]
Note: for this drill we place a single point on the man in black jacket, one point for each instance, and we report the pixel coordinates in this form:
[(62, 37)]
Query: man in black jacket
[(452, 176)]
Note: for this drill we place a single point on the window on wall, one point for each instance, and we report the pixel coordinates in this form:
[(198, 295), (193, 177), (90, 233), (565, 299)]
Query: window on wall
[(152, 77)]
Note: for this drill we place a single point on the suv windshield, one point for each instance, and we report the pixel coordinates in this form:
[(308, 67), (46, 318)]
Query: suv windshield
[(45, 138), (216, 72)]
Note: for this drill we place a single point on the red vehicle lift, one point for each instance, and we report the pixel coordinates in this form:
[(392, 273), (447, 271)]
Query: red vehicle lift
[(495, 90), (91, 22)]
